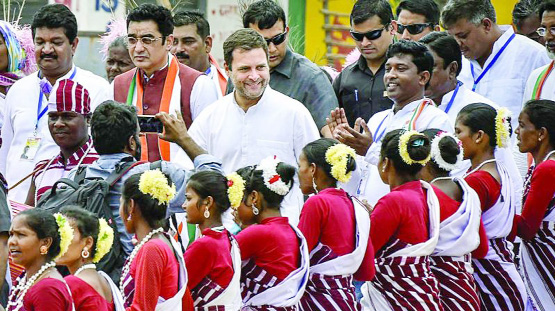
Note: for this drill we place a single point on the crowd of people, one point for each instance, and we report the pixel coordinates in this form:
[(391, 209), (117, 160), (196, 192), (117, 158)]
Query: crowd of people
[(416, 178)]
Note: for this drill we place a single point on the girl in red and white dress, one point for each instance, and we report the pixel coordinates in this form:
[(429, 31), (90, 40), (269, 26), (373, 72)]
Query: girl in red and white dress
[(336, 228), (461, 232), (213, 260), (92, 239), (36, 238), (274, 253), (536, 224), (481, 129), (405, 229), (154, 275)]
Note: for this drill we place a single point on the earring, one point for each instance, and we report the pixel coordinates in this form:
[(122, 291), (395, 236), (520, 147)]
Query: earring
[(314, 185), (129, 217), (206, 213), (85, 253), (43, 250), (383, 169), (255, 210)]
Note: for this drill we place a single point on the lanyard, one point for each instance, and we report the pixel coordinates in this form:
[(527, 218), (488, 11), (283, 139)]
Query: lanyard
[(476, 81), (540, 81), (378, 129), (208, 71), (41, 111), (452, 100)]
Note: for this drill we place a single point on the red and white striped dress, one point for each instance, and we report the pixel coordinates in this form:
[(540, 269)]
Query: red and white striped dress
[(536, 227), (500, 286)]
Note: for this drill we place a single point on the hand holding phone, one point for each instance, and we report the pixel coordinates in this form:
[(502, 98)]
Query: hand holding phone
[(149, 124)]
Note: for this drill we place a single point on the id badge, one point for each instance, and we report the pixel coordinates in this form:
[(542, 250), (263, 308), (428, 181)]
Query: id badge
[(31, 147)]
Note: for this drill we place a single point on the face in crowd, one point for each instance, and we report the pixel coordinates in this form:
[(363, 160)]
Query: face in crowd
[(413, 26), (147, 47), (402, 79), (118, 61), (372, 38), (249, 72), (276, 38), (190, 48), (53, 51), (547, 29)]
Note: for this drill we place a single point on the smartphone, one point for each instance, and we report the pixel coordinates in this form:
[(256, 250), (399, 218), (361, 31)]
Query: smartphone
[(149, 124)]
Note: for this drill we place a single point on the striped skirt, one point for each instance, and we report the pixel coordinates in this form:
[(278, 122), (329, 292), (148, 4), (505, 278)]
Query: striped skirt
[(206, 291), (538, 267), (457, 288), (326, 292), (407, 283), (500, 286), (255, 280)]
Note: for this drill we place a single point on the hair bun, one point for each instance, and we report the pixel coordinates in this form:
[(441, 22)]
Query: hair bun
[(414, 147), (339, 156)]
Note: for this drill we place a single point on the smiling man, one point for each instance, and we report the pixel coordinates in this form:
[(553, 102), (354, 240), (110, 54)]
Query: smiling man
[(26, 139), (254, 121), (159, 83), (291, 74), (68, 122)]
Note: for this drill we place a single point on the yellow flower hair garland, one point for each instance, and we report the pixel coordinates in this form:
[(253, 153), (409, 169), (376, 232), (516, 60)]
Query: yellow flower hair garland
[(502, 127), (155, 184), (235, 189), (338, 157), (104, 240), (66, 233), (404, 149)]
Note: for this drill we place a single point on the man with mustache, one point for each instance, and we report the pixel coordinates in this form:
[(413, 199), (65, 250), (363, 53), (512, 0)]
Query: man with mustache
[(25, 135), (255, 121), (192, 44), (291, 74), (159, 83), (68, 122), (541, 84)]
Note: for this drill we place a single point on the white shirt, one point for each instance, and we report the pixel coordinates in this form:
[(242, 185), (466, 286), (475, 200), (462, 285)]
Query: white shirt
[(276, 125), (203, 94), (214, 75), (20, 116), (371, 186), (505, 81), (464, 97), (548, 90)]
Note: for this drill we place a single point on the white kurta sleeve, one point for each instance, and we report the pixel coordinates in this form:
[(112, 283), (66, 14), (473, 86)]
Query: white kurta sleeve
[(203, 94), (305, 130), (7, 134)]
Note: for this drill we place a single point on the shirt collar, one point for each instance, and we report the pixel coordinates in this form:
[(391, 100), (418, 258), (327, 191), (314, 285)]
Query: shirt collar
[(409, 107), (286, 65), (45, 81), (258, 104), (75, 158)]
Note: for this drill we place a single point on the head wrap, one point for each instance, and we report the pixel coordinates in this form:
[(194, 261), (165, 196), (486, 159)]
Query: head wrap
[(21, 50), (71, 96)]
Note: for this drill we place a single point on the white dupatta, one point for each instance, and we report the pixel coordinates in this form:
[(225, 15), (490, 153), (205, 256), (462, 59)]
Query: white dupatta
[(176, 302)]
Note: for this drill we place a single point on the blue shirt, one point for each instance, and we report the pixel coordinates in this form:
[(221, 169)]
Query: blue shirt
[(106, 164)]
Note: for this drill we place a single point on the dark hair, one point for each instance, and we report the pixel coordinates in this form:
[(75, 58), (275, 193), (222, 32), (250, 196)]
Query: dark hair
[(152, 210), (418, 148), (428, 8), (213, 184), (112, 124), (87, 223), (264, 13), (481, 117), (473, 11), (445, 46), (421, 56), (56, 16), (547, 5), (524, 9), (541, 113), (254, 181), (184, 18), (448, 148), (315, 152), (156, 13), (365, 9), (245, 39), (45, 226)]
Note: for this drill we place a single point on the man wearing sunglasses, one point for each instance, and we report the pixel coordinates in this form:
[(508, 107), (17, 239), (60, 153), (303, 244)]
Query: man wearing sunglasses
[(360, 87), (151, 86), (416, 18), (535, 88), (290, 73)]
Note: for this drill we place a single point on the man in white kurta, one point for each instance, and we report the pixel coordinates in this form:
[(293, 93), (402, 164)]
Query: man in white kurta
[(26, 139), (272, 124)]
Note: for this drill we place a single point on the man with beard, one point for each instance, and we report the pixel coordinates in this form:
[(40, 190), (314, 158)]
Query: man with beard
[(541, 84), (115, 134), (159, 83), (26, 139), (192, 44), (255, 121)]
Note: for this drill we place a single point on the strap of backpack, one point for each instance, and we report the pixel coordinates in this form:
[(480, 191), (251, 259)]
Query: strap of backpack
[(80, 174), (156, 165), (121, 169)]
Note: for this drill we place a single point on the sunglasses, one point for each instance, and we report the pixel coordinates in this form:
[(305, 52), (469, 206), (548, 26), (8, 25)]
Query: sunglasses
[(277, 39), (413, 29), (371, 35)]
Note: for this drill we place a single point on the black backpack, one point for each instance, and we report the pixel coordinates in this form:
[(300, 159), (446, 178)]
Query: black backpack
[(93, 196)]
